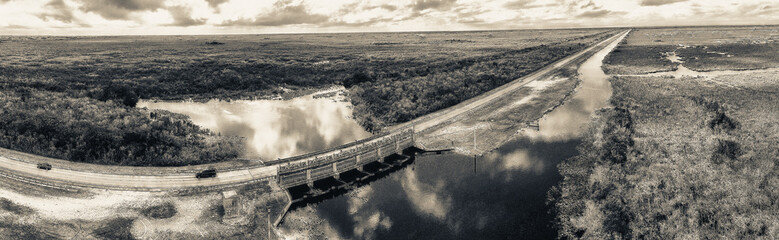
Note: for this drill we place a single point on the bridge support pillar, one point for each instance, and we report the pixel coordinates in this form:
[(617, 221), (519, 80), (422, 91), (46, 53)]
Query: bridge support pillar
[(335, 172), (397, 147), (378, 154), (309, 181)]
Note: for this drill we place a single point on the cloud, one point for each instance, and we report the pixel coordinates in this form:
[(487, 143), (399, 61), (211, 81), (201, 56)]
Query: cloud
[(758, 9), (364, 23), (389, 7), (58, 10), (521, 4), (420, 5), (594, 13), (284, 13), (517, 4), (360, 14), (526, 4), (182, 17), (14, 26), (215, 3), (591, 4), (119, 9), (659, 2)]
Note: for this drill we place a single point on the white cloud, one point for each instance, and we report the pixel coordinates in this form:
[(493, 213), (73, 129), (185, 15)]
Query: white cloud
[(266, 16)]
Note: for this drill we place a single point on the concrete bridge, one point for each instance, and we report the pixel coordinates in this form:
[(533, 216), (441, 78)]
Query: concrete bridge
[(316, 166)]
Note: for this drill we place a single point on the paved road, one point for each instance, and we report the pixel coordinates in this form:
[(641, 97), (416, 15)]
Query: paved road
[(61, 176)]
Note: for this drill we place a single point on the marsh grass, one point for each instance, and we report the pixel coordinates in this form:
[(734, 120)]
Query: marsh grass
[(731, 56), (700, 167), (631, 59)]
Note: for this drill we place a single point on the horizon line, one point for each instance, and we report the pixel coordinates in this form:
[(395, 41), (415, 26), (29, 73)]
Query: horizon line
[(409, 31)]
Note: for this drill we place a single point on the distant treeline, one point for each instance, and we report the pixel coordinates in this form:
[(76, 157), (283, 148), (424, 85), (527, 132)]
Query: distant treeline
[(84, 112)]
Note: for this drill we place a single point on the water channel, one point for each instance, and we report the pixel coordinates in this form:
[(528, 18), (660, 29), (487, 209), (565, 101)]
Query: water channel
[(501, 195)]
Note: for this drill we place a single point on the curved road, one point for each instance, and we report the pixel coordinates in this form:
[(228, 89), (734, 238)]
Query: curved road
[(27, 170)]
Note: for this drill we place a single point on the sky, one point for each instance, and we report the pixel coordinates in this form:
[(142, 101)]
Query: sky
[(155, 17)]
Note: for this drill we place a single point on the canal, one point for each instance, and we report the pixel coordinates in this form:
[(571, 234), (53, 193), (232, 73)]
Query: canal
[(501, 195)]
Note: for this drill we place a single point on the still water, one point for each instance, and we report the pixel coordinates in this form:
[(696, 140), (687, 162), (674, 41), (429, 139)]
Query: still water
[(501, 195), (275, 128)]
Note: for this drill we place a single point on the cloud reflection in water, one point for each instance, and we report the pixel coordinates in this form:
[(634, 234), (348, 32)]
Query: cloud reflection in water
[(567, 121), (274, 129), (426, 198)]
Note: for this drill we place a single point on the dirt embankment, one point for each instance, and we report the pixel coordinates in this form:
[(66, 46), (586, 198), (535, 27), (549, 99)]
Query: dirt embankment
[(483, 129), (496, 119)]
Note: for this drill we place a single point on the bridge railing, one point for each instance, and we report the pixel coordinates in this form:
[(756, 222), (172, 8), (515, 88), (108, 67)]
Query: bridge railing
[(320, 152), (387, 142)]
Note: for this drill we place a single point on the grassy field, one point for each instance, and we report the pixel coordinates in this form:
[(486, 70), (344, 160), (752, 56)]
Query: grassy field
[(688, 158), (179, 67), (73, 97)]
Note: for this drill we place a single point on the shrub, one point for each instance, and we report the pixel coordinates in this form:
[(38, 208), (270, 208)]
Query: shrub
[(118, 92), (357, 78), (726, 151), (14, 208), (116, 229), (162, 211)]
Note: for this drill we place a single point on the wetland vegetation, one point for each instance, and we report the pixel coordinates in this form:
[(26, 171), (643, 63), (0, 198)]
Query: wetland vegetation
[(73, 97), (680, 157)]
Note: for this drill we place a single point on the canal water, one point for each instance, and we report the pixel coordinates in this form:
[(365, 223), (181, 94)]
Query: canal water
[(275, 128), (501, 195)]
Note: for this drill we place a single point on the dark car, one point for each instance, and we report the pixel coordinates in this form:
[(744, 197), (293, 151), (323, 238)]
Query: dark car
[(44, 166), (209, 173)]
